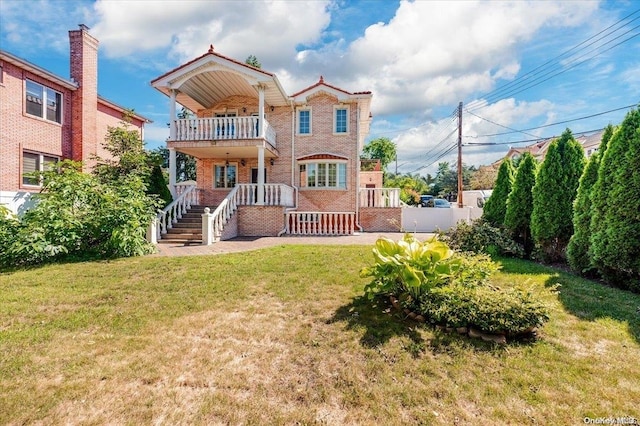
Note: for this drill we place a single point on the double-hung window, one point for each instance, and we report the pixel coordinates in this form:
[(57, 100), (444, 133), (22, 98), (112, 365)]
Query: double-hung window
[(324, 174), (341, 120), (35, 162), (43, 102), (304, 122), (225, 175)]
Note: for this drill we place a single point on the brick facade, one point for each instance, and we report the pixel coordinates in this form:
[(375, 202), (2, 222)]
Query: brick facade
[(85, 116), (376, 219), (260, 221)]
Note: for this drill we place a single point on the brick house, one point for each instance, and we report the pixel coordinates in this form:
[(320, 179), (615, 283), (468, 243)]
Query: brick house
[(45, 118), (268, 163)]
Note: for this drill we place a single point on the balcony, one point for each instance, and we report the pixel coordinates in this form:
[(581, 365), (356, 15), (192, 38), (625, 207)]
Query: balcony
[(225, 131)]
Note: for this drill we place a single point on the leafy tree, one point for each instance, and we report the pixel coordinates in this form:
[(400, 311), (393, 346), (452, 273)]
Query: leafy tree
[(517, 219), (253, 61), (615, 224), (553, 195), (411, 186), (185, 164), (484, 178), (496, 206), (382, 149), (579, 244)]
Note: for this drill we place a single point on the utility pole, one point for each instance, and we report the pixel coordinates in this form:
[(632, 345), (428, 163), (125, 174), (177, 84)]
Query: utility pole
[(460, 185)]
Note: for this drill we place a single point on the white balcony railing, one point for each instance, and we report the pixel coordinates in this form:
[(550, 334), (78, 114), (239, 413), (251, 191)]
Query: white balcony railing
[(275, 194), (380, 197), (320, 223), (222, 128)]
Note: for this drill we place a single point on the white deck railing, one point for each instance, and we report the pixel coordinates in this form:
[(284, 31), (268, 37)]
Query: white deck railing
[(320, 223), (380, 197), (242, 195), (275, 194), (174, 211), (222, 128)]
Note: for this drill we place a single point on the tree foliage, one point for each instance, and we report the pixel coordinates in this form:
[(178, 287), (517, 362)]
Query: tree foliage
[(517, 219), (411, 186), (615, 224), (496, 206), (79, 215), (553, 195), (484, 178), (579, 244), (382, 149), (253, 61)]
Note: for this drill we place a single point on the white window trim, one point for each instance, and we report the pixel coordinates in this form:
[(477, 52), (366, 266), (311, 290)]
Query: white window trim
[(298, 109), (335, 119), (44, 102), (325, 188), (41, 156), (224, 164)]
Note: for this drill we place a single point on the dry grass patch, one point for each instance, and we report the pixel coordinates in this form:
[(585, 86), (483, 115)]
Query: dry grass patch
[(282, 336)]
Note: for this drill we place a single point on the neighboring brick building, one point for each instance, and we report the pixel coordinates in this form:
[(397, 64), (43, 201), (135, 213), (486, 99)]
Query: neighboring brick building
[(45, 118), (302, 160)]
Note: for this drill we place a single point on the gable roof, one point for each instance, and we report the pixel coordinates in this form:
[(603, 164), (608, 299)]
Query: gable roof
[(207, 79), (39, 71)]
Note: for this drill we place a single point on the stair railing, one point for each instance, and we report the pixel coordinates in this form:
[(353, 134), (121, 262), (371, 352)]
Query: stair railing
[(174, 211), (213, 223)]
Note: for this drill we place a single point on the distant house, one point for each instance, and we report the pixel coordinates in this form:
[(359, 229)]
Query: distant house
[(590, 143), (45, 118), (268, 163)]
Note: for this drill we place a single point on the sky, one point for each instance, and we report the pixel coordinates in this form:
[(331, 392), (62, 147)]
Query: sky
[(515, 65)]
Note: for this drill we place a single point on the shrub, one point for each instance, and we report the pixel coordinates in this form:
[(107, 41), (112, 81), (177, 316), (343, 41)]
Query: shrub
[(615, 225), (553, 195), (579, 244), (496, 206), (450, 288), (481, 237), (520, 203), (486, 308)]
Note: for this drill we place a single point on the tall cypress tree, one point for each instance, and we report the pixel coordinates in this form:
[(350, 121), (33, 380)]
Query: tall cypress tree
[(520, 203), (615, 225), (553, 194), (496, 206), (578, 248)]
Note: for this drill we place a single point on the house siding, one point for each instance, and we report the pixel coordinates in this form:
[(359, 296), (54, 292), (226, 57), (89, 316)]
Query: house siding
[(373, 219)]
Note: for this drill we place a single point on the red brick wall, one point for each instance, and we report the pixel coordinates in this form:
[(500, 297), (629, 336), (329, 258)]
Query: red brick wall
[(260, 221), (84, 70), (381, 219), (20, 131)]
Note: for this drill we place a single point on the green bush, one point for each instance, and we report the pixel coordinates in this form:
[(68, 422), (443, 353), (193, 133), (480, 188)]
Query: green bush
[(496, 206), (490, 309), (517, 220), (481, 237), (450, 288), (615, 224), (579, 244), (553, 194)]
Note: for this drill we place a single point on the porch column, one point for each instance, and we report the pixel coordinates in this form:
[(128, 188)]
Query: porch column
[(172, 115), (172, 172), (261, 131), (260, 200)]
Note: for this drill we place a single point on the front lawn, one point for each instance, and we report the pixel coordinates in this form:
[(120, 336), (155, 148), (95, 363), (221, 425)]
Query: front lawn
[(284, 336)]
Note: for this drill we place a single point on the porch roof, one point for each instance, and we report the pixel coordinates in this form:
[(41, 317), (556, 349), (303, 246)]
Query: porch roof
[(212, 77)]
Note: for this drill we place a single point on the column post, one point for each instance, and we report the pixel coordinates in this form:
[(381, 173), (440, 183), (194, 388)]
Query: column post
[(260, 200), (172, 172)]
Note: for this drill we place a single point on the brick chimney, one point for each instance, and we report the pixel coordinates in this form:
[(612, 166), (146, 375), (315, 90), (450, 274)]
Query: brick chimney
[(84, 101)]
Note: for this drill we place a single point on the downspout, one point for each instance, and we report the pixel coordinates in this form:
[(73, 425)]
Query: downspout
[(293, 164), (358, 168)]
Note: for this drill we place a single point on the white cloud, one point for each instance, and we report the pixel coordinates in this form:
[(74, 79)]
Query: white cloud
[(271, 30)]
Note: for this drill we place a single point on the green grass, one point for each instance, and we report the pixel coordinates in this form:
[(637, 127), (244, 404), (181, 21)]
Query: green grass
[(284, 336)]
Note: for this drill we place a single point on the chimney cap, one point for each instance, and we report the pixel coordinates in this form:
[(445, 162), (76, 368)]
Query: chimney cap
[(83, 27)]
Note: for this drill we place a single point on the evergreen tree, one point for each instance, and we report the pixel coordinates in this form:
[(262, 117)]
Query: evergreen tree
[(615, 224), (496, 206), (157, 185), (520, 203), (553, 194), (578, 248)]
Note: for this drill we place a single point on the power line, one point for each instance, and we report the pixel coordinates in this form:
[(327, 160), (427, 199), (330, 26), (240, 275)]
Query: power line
[(522, 80), (497, 124), (524, 141), (555, 124)]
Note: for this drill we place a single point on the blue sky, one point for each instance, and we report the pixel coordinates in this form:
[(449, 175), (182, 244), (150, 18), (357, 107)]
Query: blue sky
[(419, 59)]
